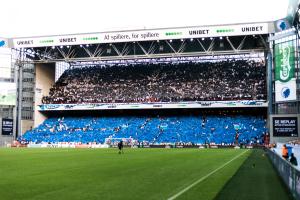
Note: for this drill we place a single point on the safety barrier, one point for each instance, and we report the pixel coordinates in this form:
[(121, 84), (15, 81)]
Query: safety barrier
[(289, 174)]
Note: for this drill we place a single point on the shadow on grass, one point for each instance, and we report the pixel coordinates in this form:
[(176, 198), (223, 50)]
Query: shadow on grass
[(256, 179)]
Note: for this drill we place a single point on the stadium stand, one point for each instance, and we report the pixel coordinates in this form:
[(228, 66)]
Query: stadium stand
[(161, 82), (192, 129)]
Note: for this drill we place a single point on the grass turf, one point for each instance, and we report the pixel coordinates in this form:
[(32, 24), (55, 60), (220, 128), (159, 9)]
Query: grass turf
[(104, 174), (256, 179)]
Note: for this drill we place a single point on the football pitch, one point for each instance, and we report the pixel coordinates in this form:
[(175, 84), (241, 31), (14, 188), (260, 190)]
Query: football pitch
[(138, 174)]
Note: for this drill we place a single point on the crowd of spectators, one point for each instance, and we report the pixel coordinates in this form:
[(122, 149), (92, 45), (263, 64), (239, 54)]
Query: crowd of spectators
[(145, 130), (161, 82)]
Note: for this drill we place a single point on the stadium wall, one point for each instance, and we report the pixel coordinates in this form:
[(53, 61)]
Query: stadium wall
[(4, 140), (45, 78), (26, 125), (289, 173)]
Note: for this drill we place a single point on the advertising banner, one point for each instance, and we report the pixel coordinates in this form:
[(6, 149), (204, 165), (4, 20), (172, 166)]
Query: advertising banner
[(285, 127), (282, 25), (7, 126), (156, 105), (285, 81), (144, 35)]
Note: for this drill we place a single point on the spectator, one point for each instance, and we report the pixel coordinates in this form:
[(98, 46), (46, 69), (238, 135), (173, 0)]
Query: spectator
[(161, 82), (237, 135), (285, 152), (147, 129), (293, 160)]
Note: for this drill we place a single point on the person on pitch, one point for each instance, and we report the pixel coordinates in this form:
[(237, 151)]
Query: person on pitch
[(120, 147)]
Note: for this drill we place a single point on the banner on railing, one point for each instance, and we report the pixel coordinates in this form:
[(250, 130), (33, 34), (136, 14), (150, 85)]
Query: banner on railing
[(153, 105)]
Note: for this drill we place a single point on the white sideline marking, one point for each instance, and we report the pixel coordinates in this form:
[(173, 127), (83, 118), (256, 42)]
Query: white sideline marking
[(204, 177)]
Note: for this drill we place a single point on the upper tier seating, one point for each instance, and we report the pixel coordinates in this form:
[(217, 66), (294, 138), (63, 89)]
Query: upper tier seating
[(161, 82)]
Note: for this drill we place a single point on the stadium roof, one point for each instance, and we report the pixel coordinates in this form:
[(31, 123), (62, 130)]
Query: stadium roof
[(55, 17)]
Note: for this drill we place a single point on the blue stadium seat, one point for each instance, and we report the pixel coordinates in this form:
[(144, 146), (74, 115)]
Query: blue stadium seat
[(156, 130)]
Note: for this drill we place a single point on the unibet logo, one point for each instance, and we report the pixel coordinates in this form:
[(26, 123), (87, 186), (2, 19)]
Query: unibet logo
[(2, 43), (285, 92)]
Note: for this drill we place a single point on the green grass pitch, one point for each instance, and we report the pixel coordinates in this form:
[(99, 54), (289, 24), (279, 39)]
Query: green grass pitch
[(46, 174)]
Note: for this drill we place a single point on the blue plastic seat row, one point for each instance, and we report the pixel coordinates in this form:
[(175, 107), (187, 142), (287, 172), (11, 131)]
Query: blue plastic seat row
[(185, 129)]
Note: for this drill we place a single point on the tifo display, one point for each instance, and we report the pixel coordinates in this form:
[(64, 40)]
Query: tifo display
[(187, 130)]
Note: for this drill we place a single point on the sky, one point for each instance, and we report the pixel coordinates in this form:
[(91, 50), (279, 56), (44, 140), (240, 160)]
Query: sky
[(25, 18)]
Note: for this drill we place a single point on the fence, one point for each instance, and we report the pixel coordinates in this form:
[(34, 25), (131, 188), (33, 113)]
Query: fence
[(289, 174)]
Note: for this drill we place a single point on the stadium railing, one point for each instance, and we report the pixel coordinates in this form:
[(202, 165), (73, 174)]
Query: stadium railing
[(289, 173)]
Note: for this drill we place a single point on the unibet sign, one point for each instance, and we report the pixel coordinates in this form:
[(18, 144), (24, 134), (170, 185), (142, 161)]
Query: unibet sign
[(145, 35)]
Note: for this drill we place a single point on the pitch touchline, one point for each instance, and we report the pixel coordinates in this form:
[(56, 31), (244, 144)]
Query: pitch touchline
[(204, 177)]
